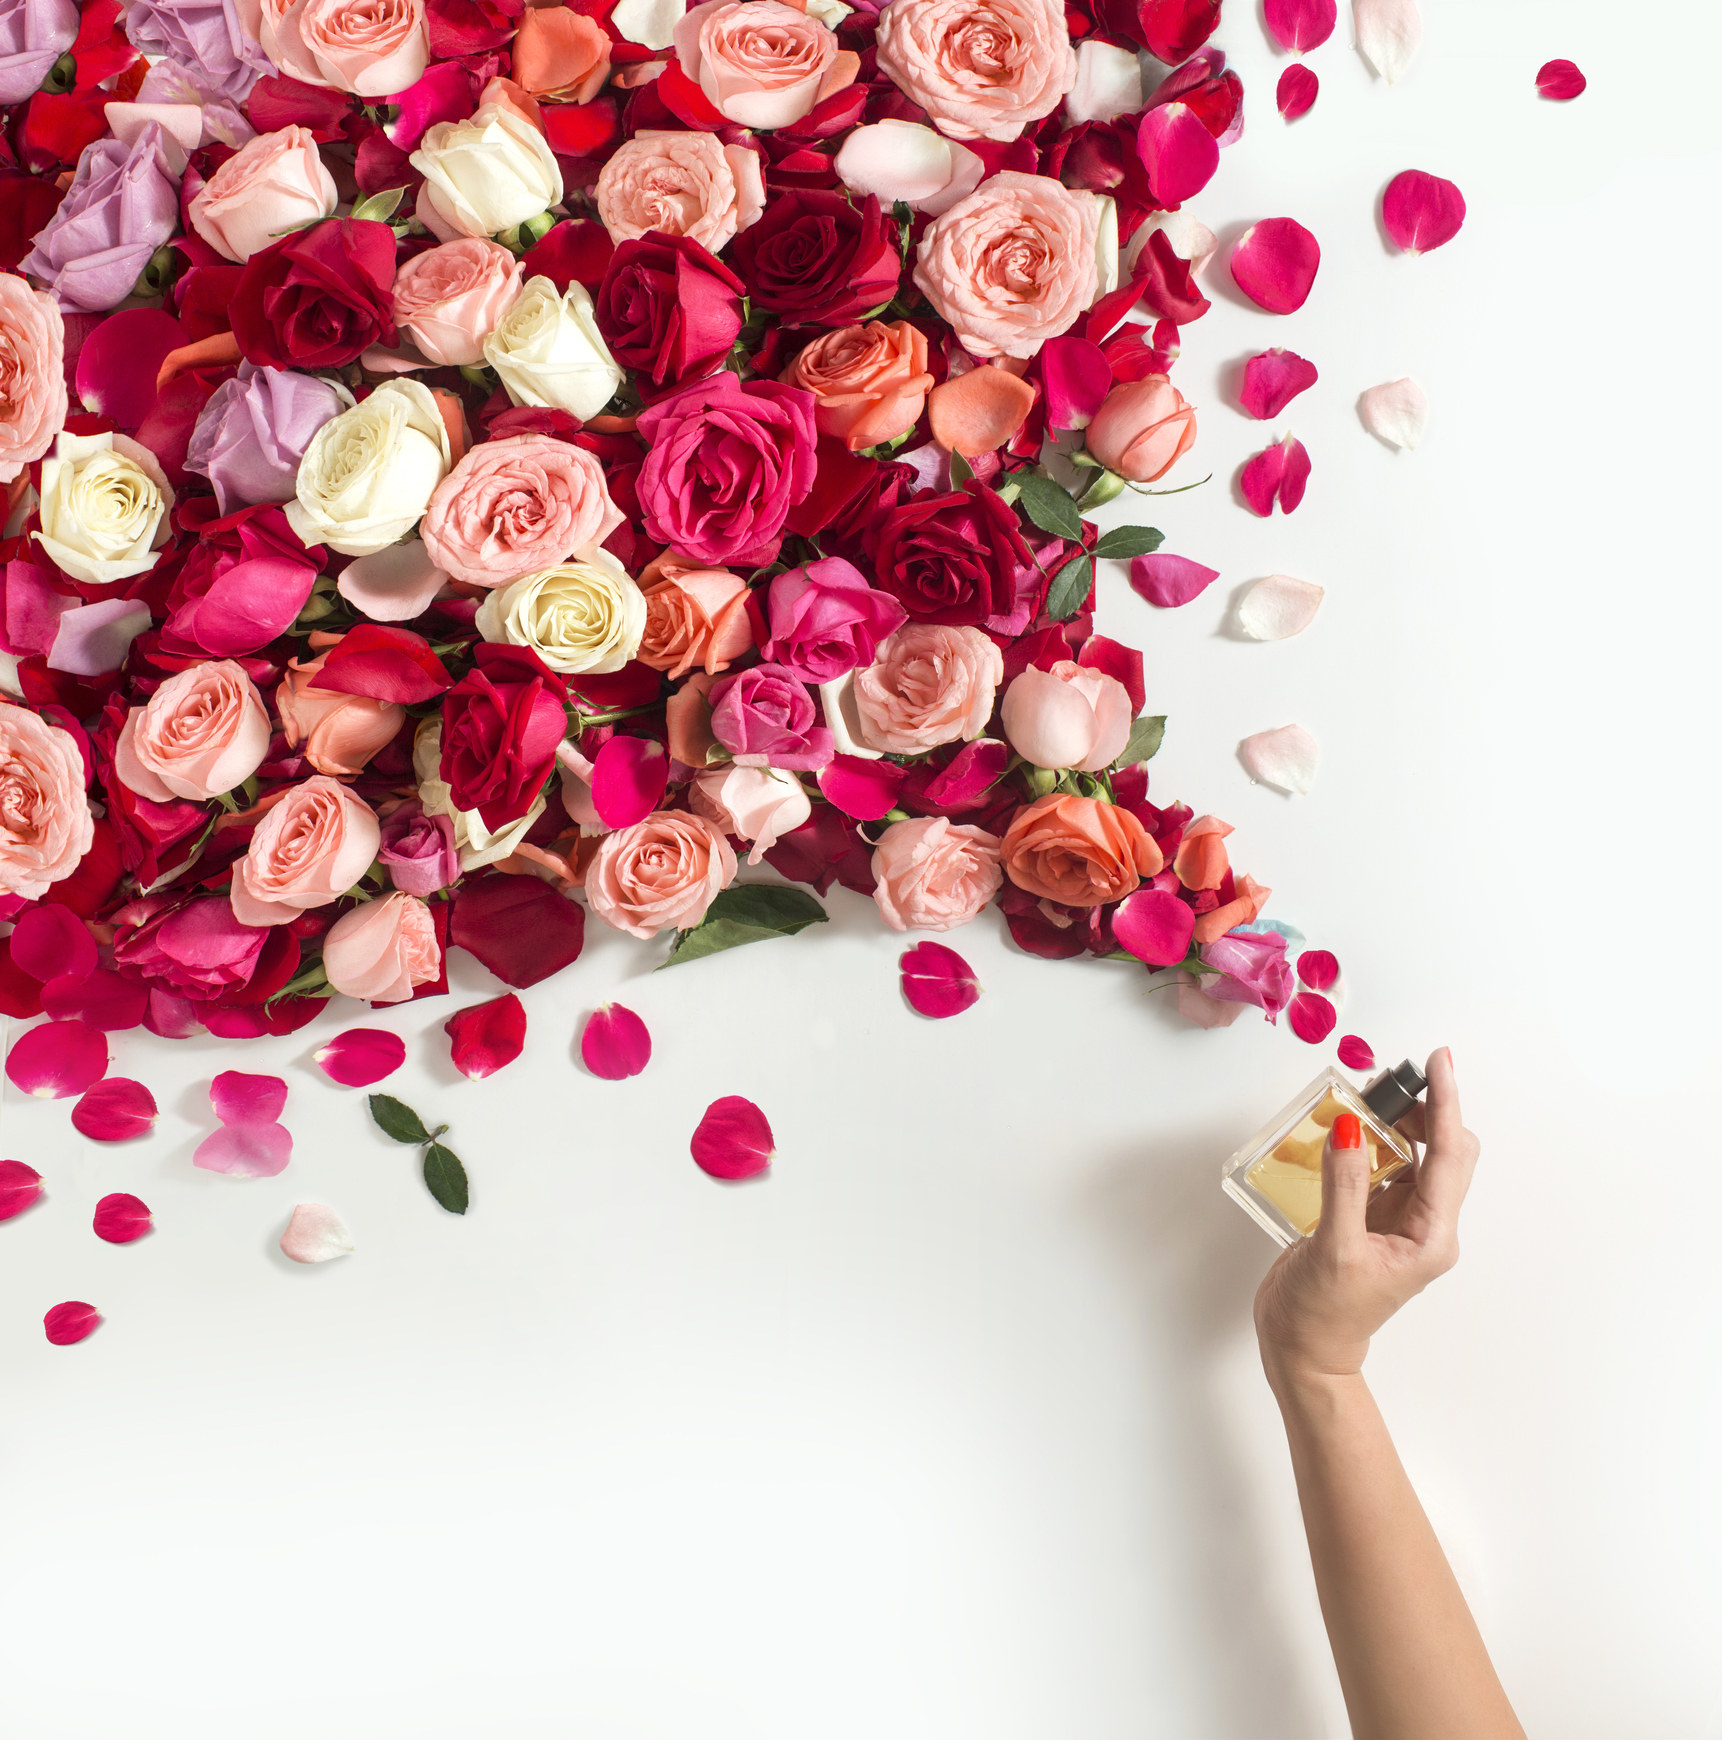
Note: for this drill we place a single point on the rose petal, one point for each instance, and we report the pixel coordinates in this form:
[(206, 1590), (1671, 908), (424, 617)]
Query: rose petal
[(20, 1185), (1195, 1005), (1300, 25), (1396, 412), (1076, 377), (937, 981), (1272, 380), (1168, 581), (1155, 926), (1108, 83), (101, 999), (316, 1234), (487, 1036), (393, 584), (1277, 607), (247, 1099), (20, 992), (1318, 969), (169, 1015), (70, 1322), (258, 1150), (1178, 151), (51, 942), (384, 664), (1389, 32), (93, 639), (1560, 81), (360, 1056), (733, 1140), (1356, 1053), (1421, 211), (629, 776), (522, 929), (1297, 90), (614, 1043), (975, 769), (1311, 1017), (115, 1110), (118, 363), (121, 1219), (1275, 263), (866, 790), (1285, 759), (973, 413), (57, 1060), (1278, 473)]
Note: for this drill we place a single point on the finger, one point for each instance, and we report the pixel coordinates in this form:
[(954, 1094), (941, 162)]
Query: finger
[(1411, 1125), (1343, 1226), (1451, 1153)]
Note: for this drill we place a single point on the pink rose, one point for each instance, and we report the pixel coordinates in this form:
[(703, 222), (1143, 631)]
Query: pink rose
[(934, 874), (765, 717), (517, 506), (661, 873), (309, 849), (32, 374), (45, 822), (694, 616), (758, 804), (1070, 716), (272, 183), (680, 184), (930, 685), (826, 620), (202, 733), (761, 64), (1014, 264), (383, 950), (982, 69), (336, 733), (418, 849), (449, 299), (370, 47), (1142, 429)]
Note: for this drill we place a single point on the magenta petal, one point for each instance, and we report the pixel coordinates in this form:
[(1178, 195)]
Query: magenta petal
[(1296, 478), (488, 1036), (1421, 211), (733, 1140), (614, 1043), (360, 1056), (937, 981), (629, 775), (1168, 580), (103, 999), (1261, 478), (169, 1015), (57, 1060), (247, 1099), (1275, 263), (1178, 152), (1300, 25), (1560, 81), (1272, 380), (119, 361), (1318, 969), (50, 942), (255, 1150), (971, 772), (444, 93), (1297, 90), (866, 790), (1155, 926), (1076, 377), (121, 1218), (1312, 1017), (71, 1322), (1356, 1053), (20, 1185), (115, 1110)]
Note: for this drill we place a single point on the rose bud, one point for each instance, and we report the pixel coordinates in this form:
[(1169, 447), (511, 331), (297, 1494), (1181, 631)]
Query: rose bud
[(1070, 716), (1142, 429)]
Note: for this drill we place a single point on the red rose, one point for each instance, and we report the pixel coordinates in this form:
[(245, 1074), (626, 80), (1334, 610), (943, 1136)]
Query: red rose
[(813, 257), (320, 298), (501, 724), (668, 309), (956, 559)]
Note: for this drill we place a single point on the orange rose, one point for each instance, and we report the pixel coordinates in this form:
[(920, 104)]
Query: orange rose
[(694, 616), (869, 383), (1078, 850), (559, 52)]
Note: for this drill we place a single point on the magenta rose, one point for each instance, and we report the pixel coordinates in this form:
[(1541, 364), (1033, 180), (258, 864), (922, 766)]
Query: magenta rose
[(956, 559), (668, 309), (825, 620), (765, 718), (1253, 969), (418, 850), (199, 950)]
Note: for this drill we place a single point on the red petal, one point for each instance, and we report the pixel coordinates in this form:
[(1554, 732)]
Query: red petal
[(1319, 969), (614, 1043), (1178, 152), (57, 1060), (119, 361), (169, 1015), (1120, 662), (1300, 25), (975, 769), (102, 999), (115, 1110), (386, 664), (1356, 1053), (20, 1185), (1296, 478), (1155, 926), (239, 1098), (1422, 211), (1297, 91), (1560, 81), (20, 992), (1312, 1017), (629, 776), (1272, 380), (866, 790), (361, 1055), (71, 1322), (121, 1218), (245, 1150), (1168, 580), (733, 1140), (1275, 263), (519, 927), (487, 1036), (937, 981), (50, 942)]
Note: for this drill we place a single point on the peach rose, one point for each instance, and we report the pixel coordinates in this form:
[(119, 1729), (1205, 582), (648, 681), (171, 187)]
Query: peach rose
[(32, 374), (558, 52), (1142, 429), (339, 733), (383, 950), (450, 298), (45, 822), (1069, 716), (758, 804), (760, 63), (869, 383), (372, 48), (680, 184), (309, 849), (1014, 264), (203, 732), (694, 616), (517, 506), (982, 69), (270, 184), (934, 874), (930, 685), (1077, 851), (661, 873)]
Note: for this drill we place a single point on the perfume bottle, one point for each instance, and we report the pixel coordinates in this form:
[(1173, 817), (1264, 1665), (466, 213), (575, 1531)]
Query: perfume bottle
[(1276, 1175)]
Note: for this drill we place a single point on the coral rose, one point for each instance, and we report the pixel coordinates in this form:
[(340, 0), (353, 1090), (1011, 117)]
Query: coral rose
[(272, 183), (694, 616), (1077, 851), (335, 732), (558, 52), (661, 873), (45, 822), (679, 184), (203, 732), (930, 685), (761, 64), (1142, 429), (934, 874), (451, 298), (32, 374), (307, 850), (383, 950), (1069, 716), (869, 383)]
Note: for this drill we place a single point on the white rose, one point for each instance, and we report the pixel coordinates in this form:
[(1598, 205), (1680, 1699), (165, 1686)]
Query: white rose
[(368, 473), (584, 615), (104, 507), (484, 175), (548, 351), (475, 842)]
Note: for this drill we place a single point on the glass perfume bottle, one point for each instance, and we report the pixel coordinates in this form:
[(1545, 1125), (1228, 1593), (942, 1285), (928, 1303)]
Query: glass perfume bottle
[(1276, 1176)]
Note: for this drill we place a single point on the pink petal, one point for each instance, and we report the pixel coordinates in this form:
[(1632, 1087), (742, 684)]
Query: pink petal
[(614, 1043), (1195, 1005), (1278, 473), (1297, 90), (1275, 263), (20, 1185), (115, 1110), (629, 775), (169, 1015), (1421, 211), (120, 1218), (57, 1060), (487, 1036), (1311, 1017), (1396, 412), (102, 999), (1178, 151), (972, 771), (1318, 968), (443, 93), (1277, 607), (1356, 1053), (316, 1234), (864, 789), (393, 584), (361, 1055), (1076, 377), (1168, 581), (1285, 759), (1560, 81), (1272, 380), (1155, 926), (247, 1099), (733, 1140), (94, 639), (1389, 33), (1300, 25), (71, 1322), (49, 942), (258, 1150), (119, 361), (937, 981)]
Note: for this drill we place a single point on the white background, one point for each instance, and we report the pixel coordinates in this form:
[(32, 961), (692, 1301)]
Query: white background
[(954, 1427)]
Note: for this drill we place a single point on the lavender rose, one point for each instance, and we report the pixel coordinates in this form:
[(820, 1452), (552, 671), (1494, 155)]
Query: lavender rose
[(250, 437), (33, 35), (204, 36)]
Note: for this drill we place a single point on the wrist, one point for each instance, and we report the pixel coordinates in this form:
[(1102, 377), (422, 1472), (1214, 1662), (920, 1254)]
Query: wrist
[(1297, 1379)]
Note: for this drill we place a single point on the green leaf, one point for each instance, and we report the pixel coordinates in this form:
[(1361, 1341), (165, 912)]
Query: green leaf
[(1049, 506), (1070, 588), (397, 1120), (445, 1178), (1123, 542), (961, 471), (380, 207), (1145, 739), (750, 913)]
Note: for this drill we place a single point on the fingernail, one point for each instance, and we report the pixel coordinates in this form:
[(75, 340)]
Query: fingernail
[(1347, 1131)]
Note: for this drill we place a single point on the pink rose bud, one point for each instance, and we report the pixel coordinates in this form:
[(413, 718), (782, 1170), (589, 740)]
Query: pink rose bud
[(272, 183), (1143, 429), (449, 299), (384, 950), (1070, 716)]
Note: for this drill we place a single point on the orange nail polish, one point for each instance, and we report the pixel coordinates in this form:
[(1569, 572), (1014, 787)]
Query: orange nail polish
[(1347, 1131)]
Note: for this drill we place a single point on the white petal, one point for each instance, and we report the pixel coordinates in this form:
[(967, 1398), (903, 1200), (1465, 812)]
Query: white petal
[(315, 1234), (1396, 412), (1106, 247), (1389, 32), (838, 700), (902, 160), (1191, 239), (1278, 607), (1285, 759), (651, 23), (1108, 84)]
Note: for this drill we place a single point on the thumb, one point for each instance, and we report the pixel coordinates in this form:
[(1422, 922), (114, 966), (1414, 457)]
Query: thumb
[(1344, 1185)]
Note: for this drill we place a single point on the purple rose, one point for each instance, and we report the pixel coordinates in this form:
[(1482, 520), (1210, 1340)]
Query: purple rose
[(33, 35), (765, 718), (418, 850), (122, 205), (826, 620), (1253, 969), (250, 437), (204, 36)]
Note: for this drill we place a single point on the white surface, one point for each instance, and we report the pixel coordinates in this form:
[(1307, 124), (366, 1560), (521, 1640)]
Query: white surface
[(953, 1427)]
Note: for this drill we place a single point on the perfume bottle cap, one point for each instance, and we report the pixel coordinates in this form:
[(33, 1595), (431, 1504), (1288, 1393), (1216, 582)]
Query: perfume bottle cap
[(1396, 1092)]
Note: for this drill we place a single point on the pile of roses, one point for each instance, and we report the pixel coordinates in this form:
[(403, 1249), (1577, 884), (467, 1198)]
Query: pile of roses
[(471, 462)]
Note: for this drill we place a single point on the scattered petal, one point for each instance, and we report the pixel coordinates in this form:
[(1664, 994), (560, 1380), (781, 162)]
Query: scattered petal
[(1275, 263), (102, 999), (1285, 759), (733, 1140), (973, 413), (1168, 581), (1389, 32), (1277, 607), (1312, 1017), (1560, 81), (20, 1185), (1421, 211), (487, 1036), (1318, 969), (937, 981), (1178, 151), (629, 776), (1396, 412), (1272, 380), (115, 1110), (71, 1322), (257, 1150), (316, 1234), (247, 1099), (1297, 90), (361, 1055), (393, 584), (121, 1218), (1356, 1053), (614, 1043), (1155, 926), (864, 789), (119, 361), (49, 942), (1276, 474), (1195, 1005), (57, 1060), (1300, 25), (1076, 377)]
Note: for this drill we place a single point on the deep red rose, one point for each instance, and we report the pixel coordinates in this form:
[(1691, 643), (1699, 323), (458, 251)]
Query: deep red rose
[(320, 298), (668, 309), (814, 257), (501, 724), (1101, 157), (957, 559)]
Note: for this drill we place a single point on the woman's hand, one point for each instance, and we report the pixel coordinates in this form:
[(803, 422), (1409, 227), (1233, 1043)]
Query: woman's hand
[(1320, 1303)]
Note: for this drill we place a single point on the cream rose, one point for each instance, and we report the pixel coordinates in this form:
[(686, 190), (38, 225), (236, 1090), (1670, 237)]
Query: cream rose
[(272, 183), (369, 473), (45, 822), (680, 184), (760, 63), (32, 374), (757, 804), (476, 844), (578, 616), (484, 175), (104, 507), (982, 69), (449, 299), (547, 350), (203, 732)]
